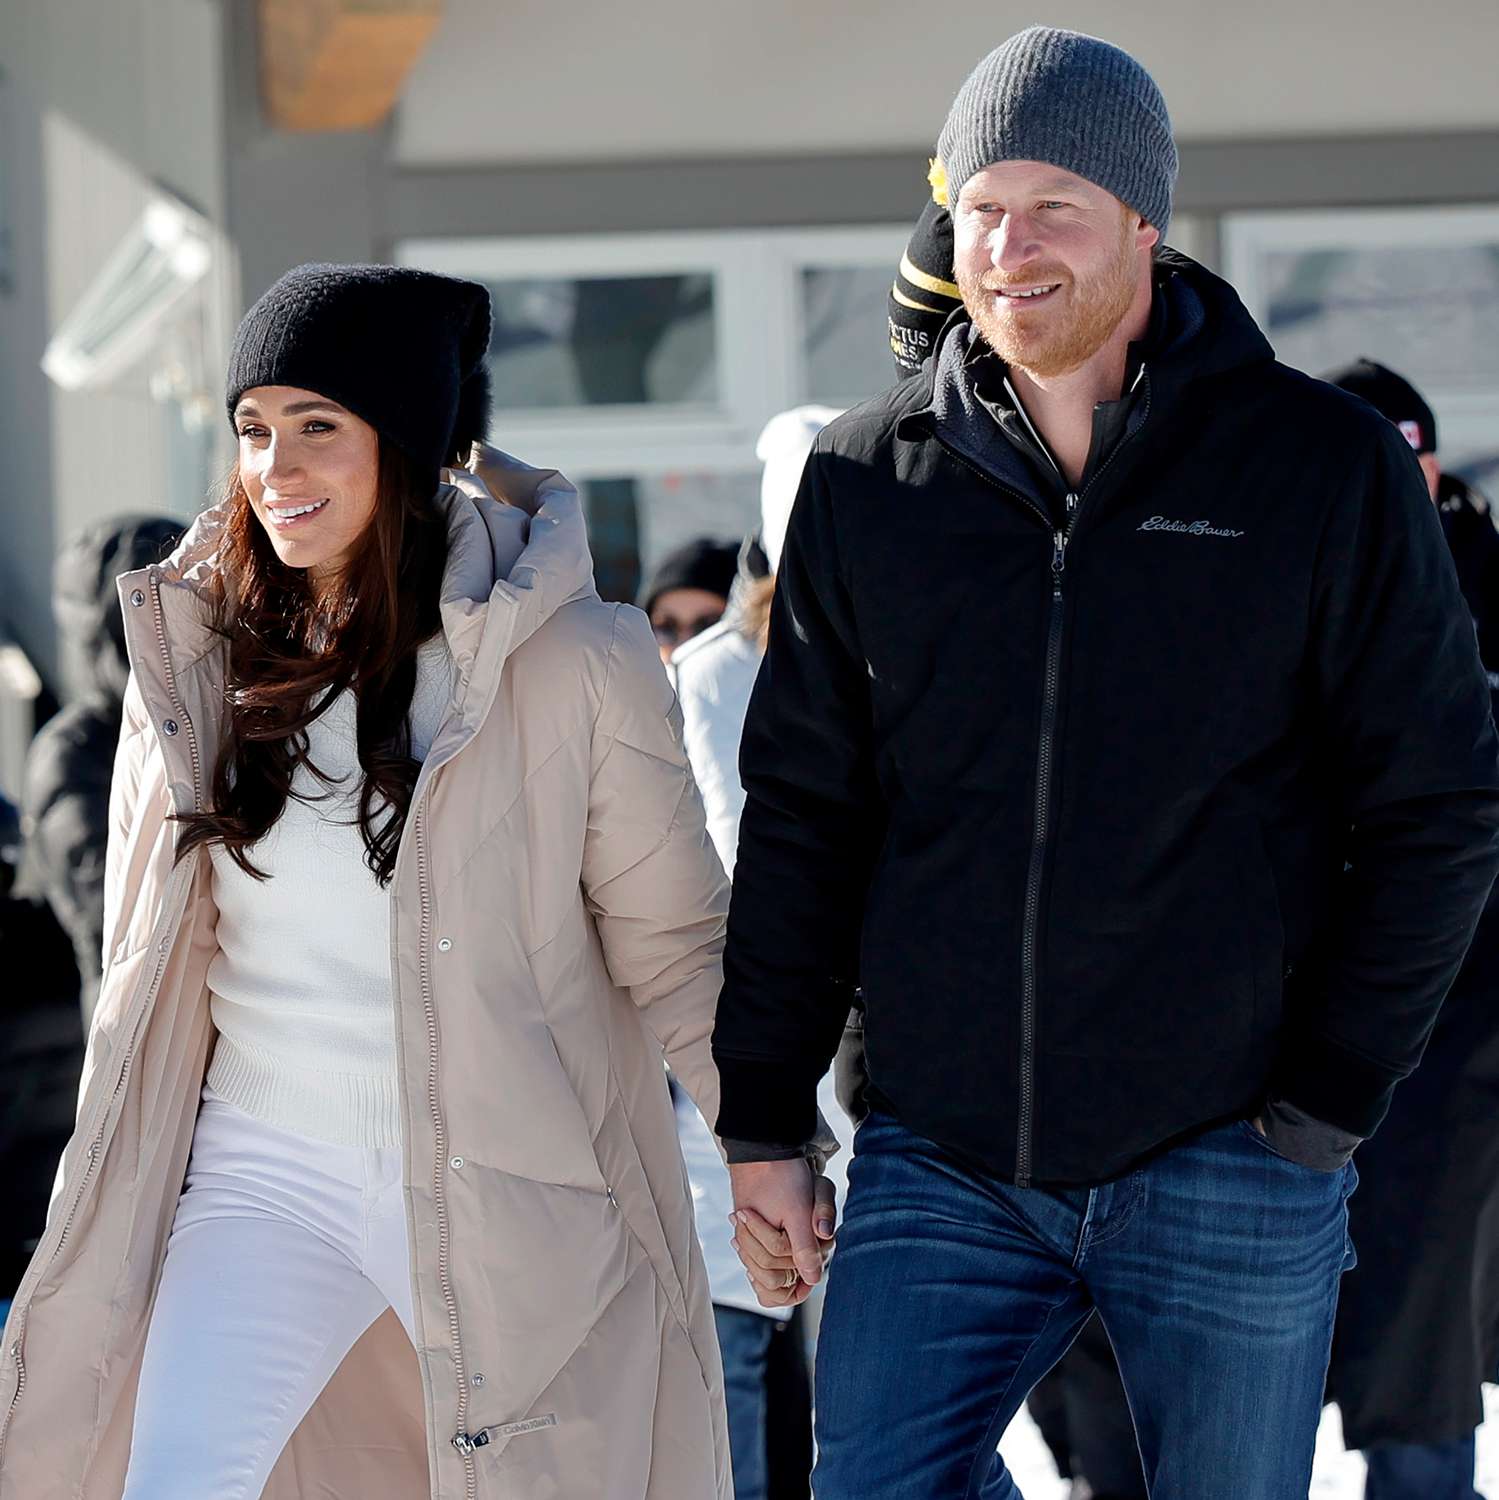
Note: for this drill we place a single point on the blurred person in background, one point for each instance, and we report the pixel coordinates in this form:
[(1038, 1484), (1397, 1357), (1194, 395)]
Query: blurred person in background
[(766, 1379), (689, 591), (1079, 1406), (41, 1051), (408, 895), (1417, 1332), (65, 801), (1125, 1021)]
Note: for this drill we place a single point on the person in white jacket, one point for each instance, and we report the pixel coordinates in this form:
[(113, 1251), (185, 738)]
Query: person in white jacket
[(715, 673)]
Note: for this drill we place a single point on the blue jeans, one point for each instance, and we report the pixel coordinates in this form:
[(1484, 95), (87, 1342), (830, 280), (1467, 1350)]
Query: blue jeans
[(1214, 1267), (1421, 1471), (744, 1340)]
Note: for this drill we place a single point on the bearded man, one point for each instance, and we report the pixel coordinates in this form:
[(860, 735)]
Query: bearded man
[(1122, 737)]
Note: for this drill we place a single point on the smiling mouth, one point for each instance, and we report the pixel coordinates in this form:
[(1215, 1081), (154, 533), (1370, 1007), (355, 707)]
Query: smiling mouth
[(283, 516), (1027, 293)]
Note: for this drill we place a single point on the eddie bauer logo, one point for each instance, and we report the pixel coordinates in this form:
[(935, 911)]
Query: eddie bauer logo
[(1187, 528)]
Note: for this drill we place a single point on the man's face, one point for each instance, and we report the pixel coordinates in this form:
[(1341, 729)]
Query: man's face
[(1048, 263)]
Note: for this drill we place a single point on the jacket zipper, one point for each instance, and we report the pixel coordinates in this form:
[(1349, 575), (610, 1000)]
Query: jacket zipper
[(1045, 768), (1040, 847), (163, 947), (461, 1440)]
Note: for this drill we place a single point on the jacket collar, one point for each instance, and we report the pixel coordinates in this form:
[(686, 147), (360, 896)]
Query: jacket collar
[(517, 552)]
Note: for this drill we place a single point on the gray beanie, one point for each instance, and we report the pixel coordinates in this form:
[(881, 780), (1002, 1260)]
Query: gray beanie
[(1074, 101)]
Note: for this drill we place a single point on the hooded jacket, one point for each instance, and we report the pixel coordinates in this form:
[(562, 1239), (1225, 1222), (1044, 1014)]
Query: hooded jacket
[(1064, 783), (556, 924)]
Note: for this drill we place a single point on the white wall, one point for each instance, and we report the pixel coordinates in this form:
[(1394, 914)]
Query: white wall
[(100, 102), (594, 80)]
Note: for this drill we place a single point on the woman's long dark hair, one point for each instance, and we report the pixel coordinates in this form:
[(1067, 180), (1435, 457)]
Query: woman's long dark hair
[(290, 653)]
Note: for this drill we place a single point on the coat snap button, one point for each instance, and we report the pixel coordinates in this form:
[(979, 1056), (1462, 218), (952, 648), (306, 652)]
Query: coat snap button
[(137, 598), (170, 727), (444, 945), (478, 1381), (456, 1163)]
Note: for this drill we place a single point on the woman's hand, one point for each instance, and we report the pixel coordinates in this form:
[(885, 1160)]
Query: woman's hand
[(783, 1228)]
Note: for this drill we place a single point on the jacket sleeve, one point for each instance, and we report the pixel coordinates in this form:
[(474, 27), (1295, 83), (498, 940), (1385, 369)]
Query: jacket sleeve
[(651, 878), (813, 823), (1406, 726)]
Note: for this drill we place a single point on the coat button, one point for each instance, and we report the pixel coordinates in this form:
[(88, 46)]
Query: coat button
[(444, 945), (137, 598), (170, 727), (456, 1163), (478, 1382)]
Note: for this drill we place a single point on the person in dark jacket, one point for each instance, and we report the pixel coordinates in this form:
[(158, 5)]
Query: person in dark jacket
[(1417, 1332), (1154, 829), (41, 1055), (1079, 1405), (65, 801)]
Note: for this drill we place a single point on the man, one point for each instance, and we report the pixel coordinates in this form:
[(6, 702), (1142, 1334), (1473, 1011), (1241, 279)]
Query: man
[(1080, 1406), (1099, 649), (1418, 1323), (689, 591)]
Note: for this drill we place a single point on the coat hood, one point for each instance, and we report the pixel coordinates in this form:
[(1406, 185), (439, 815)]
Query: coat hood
[(516, 535)]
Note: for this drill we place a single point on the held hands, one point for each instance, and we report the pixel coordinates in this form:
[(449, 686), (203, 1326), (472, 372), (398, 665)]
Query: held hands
[(783, 1228)]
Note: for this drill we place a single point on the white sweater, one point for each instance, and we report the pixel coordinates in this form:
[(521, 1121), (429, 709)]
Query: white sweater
[(300, 986)]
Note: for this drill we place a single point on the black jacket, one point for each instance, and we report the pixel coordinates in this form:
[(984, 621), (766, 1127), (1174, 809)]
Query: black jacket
[(1418, 1319), (1066, 795)]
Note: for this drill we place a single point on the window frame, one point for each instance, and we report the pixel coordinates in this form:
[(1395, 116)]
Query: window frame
[(1468, 419), (762, 360)]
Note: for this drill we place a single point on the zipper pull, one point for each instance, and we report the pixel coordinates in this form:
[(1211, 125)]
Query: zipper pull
[(466, 1442), (1058, 561)]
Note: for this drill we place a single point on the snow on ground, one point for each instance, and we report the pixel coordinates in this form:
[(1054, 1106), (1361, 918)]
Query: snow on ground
[(1338, 1474)]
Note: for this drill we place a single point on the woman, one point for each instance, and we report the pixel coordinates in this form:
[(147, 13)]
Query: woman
[(407, 860)]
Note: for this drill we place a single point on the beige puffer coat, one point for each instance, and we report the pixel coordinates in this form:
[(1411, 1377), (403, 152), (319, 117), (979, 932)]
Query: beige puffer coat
[(557, 919)]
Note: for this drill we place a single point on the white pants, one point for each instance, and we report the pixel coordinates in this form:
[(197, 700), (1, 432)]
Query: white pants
[(284, 1250)]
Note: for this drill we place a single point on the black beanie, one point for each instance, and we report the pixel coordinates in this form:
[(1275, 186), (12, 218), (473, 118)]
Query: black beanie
[(703, 564), (1393, 397), (925, 292), (406, 351)]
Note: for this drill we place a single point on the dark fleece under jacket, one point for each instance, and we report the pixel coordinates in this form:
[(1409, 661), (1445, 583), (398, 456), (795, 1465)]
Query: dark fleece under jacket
[(1069, 790)]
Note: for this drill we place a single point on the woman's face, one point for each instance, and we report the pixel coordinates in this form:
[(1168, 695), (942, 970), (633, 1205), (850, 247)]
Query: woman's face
[(310, 469)]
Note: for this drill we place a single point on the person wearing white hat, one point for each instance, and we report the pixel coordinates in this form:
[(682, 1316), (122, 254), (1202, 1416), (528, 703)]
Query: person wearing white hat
[(715, 674)]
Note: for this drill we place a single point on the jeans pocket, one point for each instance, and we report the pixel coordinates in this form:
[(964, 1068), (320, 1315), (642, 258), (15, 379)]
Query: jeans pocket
[(1248, 1127)]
